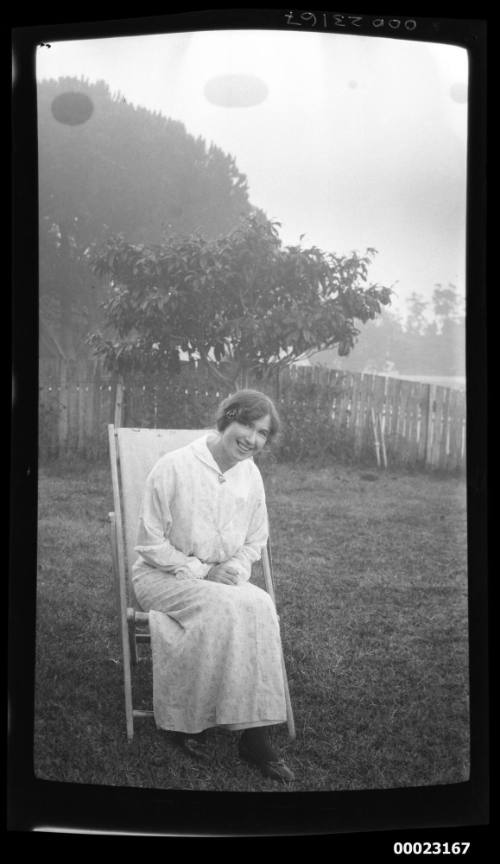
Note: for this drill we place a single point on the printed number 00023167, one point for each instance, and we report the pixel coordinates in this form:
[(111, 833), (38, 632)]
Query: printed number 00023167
[(435, 848)]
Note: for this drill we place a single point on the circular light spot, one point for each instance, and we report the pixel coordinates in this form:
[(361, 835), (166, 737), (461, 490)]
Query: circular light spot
[(458, 92), (236, 91), (72, 108)]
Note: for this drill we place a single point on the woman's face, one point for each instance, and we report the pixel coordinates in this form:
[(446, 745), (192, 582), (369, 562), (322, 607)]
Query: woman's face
[(241, 442)]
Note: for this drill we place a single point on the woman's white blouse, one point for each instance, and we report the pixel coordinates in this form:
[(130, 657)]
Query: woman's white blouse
[(191, 520)]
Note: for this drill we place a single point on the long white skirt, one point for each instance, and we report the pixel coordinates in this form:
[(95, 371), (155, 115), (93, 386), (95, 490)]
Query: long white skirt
[(216, 653)]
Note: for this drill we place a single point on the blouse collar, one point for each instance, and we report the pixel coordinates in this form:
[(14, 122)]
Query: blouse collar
[(203, 453)]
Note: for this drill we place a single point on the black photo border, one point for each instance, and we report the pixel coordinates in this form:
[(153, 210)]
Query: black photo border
[(354, 817)]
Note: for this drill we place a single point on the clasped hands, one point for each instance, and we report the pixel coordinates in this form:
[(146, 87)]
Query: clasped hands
[(223, 573)]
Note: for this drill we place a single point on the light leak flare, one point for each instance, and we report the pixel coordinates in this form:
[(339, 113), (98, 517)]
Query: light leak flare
[(236, 91)]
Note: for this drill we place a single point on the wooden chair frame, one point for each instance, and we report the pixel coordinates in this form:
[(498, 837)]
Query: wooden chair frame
[(129, 614)]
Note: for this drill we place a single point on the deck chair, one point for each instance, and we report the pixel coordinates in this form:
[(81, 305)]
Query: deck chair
[(133, 452)]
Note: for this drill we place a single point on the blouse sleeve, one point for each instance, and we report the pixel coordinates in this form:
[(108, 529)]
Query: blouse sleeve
[(155, 523), (256, 539)]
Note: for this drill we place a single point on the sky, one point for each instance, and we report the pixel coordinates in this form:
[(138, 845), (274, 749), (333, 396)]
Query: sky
[(353, 141)]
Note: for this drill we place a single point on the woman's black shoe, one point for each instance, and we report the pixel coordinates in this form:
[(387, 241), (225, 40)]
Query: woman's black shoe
[(274, 768)]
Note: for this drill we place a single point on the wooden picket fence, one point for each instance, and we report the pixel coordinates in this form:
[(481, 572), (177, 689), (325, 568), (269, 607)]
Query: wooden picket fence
[(76, 403), (411, 423), (406, 423)]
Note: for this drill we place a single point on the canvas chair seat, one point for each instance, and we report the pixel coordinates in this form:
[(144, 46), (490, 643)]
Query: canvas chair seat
[(133, 453)]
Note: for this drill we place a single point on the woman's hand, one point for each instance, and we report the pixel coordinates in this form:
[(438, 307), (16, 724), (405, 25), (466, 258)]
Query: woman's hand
[(223, 573)]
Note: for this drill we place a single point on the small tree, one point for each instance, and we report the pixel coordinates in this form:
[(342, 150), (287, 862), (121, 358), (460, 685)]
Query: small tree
[(240, 303)]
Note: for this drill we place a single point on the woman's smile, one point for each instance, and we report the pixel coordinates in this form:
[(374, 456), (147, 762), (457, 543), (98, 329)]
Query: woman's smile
[(245, 447)]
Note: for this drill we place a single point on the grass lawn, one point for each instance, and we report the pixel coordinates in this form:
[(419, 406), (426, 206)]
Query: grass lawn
[(371, 586)]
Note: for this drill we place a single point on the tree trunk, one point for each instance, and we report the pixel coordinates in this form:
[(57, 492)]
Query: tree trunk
[(227, 380), (243, 378)]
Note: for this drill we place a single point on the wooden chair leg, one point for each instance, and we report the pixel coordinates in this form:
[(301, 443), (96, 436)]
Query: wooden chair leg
[(129, 711), (127, 680), (122, 613)]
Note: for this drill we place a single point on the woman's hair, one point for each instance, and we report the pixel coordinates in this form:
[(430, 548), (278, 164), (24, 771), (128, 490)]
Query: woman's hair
[(245, 407)]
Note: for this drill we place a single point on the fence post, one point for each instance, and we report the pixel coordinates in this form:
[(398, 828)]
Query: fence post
[(452, 415), (63, 408), (431, 395), (118, 412), (443, 444)]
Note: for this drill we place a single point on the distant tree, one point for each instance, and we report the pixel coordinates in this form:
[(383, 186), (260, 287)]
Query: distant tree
[(125, 170), (242, 301), (411, 344), (447, 303), (416, 320), (449, 340), (376, 347)]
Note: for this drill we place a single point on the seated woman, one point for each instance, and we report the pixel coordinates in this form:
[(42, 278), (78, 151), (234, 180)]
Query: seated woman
[(215, 637)]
